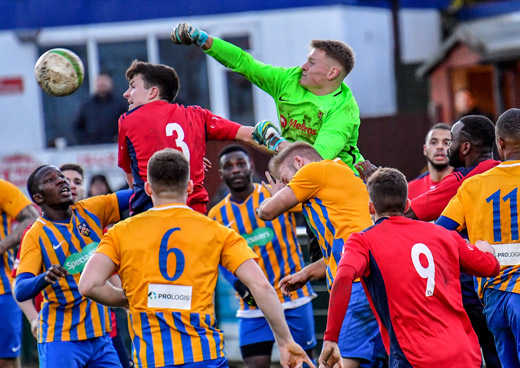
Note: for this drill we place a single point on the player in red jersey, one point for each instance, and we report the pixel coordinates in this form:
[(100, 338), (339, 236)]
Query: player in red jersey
[(410, 271), (471, 153), (154, 122), (435, 149)]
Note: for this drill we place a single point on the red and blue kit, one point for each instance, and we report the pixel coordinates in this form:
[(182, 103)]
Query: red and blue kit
[(157, 125), (410, 271), (420, 185)]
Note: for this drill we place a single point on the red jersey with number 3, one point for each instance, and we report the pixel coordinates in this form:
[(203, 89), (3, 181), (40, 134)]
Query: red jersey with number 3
[(157, 125), (410, 270)]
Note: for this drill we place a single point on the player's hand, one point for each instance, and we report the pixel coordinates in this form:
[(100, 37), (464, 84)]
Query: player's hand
[(244, 293), (330, 356), (55, 273), (292, 355), (207, 163), (34, 328), (293, 282), (365, 169), (273, 186), (485, 246), (186, 34), (267, 134)]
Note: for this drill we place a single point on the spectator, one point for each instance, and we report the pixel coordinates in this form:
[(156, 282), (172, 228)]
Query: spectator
[(98, 116), (98, 186)]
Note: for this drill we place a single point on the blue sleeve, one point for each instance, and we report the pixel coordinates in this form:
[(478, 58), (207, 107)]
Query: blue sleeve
[(228, 275), (123, 198), (28, 286), (447, 223)]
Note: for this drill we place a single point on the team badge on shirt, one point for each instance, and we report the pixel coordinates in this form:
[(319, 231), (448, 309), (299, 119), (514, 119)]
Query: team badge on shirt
[(320, 115), (84, 229)]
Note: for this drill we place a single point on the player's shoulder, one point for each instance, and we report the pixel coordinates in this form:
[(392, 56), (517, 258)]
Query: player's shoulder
[(96, 203), (35, 230), (424, 176), (217, 207)]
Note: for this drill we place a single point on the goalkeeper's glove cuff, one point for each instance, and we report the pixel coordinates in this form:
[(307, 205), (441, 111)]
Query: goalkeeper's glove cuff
[(203, 37), (273, 142)]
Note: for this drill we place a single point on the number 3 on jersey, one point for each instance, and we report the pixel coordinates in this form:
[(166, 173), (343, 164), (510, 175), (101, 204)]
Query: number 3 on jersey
[(427, 272), (179, 142)]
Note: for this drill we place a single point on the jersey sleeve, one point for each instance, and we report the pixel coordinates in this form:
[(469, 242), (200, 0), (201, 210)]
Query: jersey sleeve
[(455, 209), (235, 250), (267, 77), (355, 255), (338, 129), (123, 157), (12, 200), (30, 255), (474, 261), (218, 128), (308, 181), (106, 207), (429, 206), (109, 245)]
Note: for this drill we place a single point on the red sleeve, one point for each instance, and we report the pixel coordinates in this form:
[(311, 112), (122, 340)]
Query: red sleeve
[(474, 261), (353, 264), (123, 158), (220, 129), (429, 205), (17, 260)]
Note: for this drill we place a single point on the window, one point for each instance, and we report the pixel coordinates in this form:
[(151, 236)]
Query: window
[(190, 65)]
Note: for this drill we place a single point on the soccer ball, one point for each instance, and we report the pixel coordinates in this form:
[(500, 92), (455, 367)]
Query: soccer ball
[(59, 72)]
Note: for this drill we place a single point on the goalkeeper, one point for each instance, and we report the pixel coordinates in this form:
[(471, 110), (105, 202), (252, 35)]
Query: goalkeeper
[(313, 103)]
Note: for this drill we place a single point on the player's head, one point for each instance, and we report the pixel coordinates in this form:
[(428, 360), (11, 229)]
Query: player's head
[(436, 145), (472, 135), (388, 192), (508, 134), (168, 175), (328, 63), (150, 82), (48, 187), (74, 174), (235, 168), (291, 159)]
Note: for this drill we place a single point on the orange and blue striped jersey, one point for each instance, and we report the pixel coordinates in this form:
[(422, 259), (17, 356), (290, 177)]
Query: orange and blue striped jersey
[(335, 205), (168, 258), (12, 201), (487, 205), (66, 315), (274, 242)]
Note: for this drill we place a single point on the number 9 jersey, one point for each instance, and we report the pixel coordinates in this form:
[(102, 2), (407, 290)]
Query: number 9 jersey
[(410, 271), (157, 125), (168, 260)]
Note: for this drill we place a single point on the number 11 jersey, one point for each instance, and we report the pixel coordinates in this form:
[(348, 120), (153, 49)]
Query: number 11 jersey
[(410, 270)]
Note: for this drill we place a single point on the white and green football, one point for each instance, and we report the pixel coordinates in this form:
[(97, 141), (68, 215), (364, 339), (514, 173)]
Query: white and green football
[(59, 72)]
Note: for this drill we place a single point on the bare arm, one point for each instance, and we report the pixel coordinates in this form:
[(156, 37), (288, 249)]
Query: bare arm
[(29, 311), (313, 271), (281, 202), (291, 354), (93, 282), (130, 180), (25, 218)]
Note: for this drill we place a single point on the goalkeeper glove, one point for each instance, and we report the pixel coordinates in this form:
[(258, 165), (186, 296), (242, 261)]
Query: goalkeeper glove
[(244, 293), (267, 134), (186, 34)]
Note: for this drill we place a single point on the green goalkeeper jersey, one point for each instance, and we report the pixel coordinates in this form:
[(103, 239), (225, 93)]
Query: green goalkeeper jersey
[(330, 123)]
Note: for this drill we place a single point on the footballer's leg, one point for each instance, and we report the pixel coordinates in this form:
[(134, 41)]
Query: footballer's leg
[(256, 342)]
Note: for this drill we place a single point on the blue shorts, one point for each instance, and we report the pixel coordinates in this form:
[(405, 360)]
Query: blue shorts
[(502, 311), (11, 326), (300, 321), (359, 337), (95, 352), (214, 363)]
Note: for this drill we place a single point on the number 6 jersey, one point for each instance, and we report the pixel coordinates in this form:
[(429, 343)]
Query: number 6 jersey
[(410, 271), (168, 260), (156, 125)]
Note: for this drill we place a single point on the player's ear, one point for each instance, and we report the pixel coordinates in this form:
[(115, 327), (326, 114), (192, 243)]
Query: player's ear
[(153, 92), (424, 149), (333, 73), (148, 189), (37, 198), (298, 162), (371, 208), (189, 189), (465, 148), (407, 205)]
